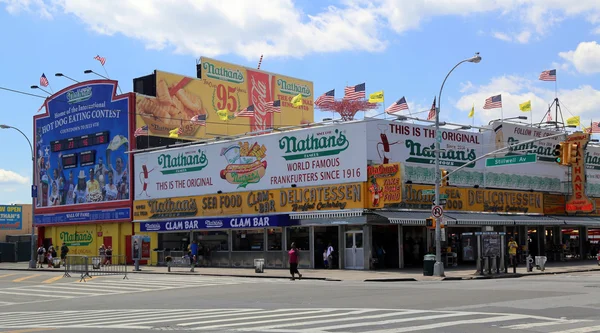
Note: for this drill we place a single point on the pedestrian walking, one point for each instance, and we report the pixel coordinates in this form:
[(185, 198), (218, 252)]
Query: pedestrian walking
[(64, 250), (41, 252), (293, 259)]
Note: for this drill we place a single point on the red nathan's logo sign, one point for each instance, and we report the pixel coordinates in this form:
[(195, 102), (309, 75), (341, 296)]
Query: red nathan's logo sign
[(260, 93), (383, 170), (578, 201)]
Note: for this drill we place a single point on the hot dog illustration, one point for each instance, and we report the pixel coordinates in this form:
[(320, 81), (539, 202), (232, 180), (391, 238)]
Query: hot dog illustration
[(240, 173), (246, 164)]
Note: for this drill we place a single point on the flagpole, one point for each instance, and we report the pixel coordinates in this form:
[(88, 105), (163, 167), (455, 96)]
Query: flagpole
[(108, 76)]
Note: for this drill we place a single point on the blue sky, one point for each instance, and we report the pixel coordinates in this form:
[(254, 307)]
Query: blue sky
[(404, 48)]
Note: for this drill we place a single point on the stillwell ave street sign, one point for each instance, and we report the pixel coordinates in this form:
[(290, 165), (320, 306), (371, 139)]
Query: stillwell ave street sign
[(508, 160)]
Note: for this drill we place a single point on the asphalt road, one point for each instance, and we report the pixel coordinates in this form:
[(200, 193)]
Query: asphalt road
[(45, 302)]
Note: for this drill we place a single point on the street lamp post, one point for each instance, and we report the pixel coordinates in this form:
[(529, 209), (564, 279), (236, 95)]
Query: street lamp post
[(63, 75), (33, 245), (36, 87), (89, 71), (438, 268)]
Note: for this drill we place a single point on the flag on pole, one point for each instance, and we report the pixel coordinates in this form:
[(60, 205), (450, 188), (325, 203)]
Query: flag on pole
[(174, 133), (297, 100), (398, 106), (141, 131), (355, 93), (493, 102), (549, 75), (432, 111), (248, 112), (326, 98), (525, 107), (273, 106), (44, 80), (549, 118), (101, 59), (41, 107), (376, 97), (574, 121), (594, 128), (472, 113)]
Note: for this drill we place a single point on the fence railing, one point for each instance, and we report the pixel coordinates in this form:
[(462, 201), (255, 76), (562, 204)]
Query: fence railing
[(89, 266)]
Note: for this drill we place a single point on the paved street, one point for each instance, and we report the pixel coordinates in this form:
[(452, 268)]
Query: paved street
[(45, 301)]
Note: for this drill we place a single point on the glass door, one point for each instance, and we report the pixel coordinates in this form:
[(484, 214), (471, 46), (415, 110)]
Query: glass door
[(354, 251)]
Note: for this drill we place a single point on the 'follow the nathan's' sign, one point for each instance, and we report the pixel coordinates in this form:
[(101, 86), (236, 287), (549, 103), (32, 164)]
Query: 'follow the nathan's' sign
[(320, 156)]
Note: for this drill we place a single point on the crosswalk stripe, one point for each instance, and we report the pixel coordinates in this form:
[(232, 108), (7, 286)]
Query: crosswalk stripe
[(21, 279), (46, 289), (68, 287), (54, 279), (272, 314), (581, 330), (362, 318), (31, 294), (214, 313), (28, 319), (445, 324), (114, 317), (550, 323)]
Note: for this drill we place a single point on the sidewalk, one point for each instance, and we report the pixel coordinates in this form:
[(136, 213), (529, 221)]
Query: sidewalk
[(452, 273)]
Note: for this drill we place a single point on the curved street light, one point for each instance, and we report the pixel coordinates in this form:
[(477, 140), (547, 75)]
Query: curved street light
[(63, 75), (438, 268), (33, 244), (36, 87)]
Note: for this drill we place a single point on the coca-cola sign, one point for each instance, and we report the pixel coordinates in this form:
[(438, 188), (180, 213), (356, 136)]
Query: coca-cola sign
[(259, 91)]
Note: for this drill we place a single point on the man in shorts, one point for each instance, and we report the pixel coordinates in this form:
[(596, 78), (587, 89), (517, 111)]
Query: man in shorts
[(41, 255)]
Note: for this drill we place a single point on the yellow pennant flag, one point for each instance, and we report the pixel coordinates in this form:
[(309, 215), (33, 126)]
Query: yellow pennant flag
[(297, 100), (525, 107), (472, 113), (574, 121), (174, 133), (223, 114), (376, 97)]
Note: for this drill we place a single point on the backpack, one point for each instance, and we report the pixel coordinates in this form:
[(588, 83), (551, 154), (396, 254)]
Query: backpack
[(41, 250)]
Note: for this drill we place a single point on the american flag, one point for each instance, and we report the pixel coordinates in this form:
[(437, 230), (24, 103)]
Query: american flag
[(141, 131), (549, 118), (326, 98), (247, 112), (493, 102), (44, 80), (273, 106), (199, 119), (101, 59), (355, 93), (595, 128), (398, 106), (549, 75), (432, 111)]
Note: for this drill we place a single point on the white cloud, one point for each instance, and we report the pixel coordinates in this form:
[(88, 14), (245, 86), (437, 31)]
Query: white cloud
[(596, 31), (585, 58), (7, 176), (581, 101), (281, 28), (502, 36)]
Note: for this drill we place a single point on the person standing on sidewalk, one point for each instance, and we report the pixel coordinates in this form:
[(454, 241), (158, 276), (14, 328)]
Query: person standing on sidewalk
[(293, 255), (512, 252)]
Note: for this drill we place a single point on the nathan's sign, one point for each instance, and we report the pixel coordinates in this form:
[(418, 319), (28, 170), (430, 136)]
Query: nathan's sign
[(76, 239), (477, 200), (384, 185), (578, 201), (414, 147), (325, 155), (555, 204), (299, 199)]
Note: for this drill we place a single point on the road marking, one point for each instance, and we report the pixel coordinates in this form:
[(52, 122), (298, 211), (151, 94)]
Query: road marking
[(449, 323), (47, 289), (7, 275), (21, 279), (194, 314), (31, 330), (54, 279), (550, 323), (31, 294), (581, 330)]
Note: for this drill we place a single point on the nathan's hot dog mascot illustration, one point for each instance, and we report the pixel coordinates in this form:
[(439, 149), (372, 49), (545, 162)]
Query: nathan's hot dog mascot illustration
[(143, 177), (376, 191), (246, 163)]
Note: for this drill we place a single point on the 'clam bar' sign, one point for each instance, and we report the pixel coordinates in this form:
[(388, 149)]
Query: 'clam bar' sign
[(242, 222)]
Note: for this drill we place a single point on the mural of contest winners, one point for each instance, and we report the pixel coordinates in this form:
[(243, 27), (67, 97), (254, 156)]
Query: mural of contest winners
[(80, 146), (227, 100)]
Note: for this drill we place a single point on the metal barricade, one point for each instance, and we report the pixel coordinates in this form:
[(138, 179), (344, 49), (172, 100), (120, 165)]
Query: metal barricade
[(88, 266), (179, 262)]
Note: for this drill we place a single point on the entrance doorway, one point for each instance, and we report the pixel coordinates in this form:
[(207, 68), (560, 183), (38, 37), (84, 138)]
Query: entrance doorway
[(354, 251), (323, 237), (385, 246)]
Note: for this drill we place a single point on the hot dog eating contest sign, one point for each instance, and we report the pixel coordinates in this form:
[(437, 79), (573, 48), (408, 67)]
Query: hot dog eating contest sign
[(319, 156)]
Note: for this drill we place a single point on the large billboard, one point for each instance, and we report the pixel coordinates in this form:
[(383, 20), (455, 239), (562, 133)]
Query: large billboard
[(413, 146), (82, 169), (11, 217), (222, 86), (308, 157)]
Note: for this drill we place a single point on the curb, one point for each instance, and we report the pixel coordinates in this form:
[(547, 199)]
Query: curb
[(232, 275), (392, 280)]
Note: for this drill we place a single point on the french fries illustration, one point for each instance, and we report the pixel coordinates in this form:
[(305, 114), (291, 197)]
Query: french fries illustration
[(170, 109)]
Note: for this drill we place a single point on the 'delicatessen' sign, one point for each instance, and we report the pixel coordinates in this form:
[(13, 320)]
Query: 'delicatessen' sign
[(301, 199), (478, 200)]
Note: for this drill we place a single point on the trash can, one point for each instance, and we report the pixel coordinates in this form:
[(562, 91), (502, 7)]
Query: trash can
[(96, 263), (259, 265), (56, 263), (428, 263), (540, 262)]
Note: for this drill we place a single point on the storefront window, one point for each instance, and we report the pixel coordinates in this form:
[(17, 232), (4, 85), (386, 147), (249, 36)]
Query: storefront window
[(177, 241), (249, 240), (274, 239), (215, 240), (300, 237)]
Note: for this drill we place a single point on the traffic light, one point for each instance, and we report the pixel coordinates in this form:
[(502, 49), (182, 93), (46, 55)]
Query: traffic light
[(430, 222), (560, 153), (572, 154), (444, 177)]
